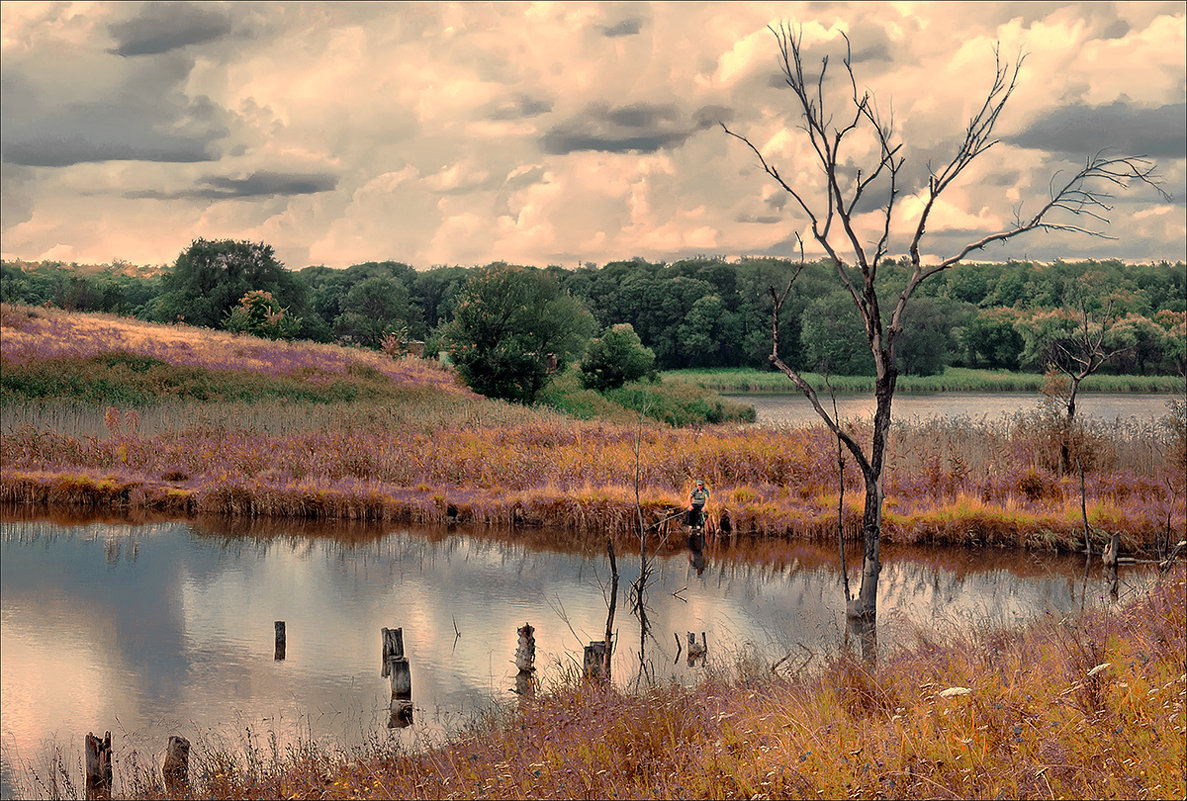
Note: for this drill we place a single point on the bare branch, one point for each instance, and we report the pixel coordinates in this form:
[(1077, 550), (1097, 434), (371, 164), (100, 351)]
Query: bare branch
[(1078, 197)]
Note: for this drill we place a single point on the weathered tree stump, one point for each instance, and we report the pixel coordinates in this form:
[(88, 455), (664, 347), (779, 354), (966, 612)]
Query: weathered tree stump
[(401, 703), (1112, 551), (393, 646), (697, 650), (98, 767), (595, 656), (176, 768), (525, 661), (281, 641), (397, 668), (525, 651), (401, 673), (1110, 557)]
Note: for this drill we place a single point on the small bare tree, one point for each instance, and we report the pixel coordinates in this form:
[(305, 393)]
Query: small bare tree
[(835, 138)]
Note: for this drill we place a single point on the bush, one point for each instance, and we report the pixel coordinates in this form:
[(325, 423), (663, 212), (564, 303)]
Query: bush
[(261, 315), (616, 358)]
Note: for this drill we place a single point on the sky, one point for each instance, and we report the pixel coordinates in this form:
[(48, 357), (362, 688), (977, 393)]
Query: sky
[(558, 133)]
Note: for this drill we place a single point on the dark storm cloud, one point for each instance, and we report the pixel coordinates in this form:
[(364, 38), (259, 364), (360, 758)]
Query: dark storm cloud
[(1116, 30), (145, 118), (161, 27), (1119, 126), (627, 27), (640, 127), (263, 183), (95, 144)]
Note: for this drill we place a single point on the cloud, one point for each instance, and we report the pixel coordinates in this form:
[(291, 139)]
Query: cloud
[(1121, 126), (263, 183), (139, 113), (627, 27), (640, 127), (519, 107), (161, 27)]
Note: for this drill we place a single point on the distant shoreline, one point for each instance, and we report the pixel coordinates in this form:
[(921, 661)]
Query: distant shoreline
[(953, 379)]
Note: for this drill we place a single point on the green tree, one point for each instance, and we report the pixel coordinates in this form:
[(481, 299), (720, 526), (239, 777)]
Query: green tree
[(508, 321), (210, 276), (261, 315), (991, 340), (373, 308), (929, 327), (615, 358), (831, 338)]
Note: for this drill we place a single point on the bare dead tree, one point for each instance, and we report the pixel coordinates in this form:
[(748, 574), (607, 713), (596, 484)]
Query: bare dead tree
[(1076, 356), (835, 137)]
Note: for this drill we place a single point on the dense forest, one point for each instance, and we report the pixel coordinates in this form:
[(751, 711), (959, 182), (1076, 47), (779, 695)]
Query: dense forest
[(698, 313)]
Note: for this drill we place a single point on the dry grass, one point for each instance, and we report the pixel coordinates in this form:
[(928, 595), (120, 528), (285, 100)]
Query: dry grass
[(1090, 707)]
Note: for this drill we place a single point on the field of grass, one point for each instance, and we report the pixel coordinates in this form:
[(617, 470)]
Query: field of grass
[(201, 422), (1091, 706), (953, 379)]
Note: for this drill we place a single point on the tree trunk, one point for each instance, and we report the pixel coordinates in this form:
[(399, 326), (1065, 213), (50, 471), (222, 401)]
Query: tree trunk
[(866, 603)]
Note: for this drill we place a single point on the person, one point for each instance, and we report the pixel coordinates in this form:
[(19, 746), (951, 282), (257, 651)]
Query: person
[(696, 507)]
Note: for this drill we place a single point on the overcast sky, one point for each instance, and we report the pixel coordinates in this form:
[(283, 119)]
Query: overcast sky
[(434, 133)]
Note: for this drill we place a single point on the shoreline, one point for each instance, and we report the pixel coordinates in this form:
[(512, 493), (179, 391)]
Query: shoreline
[(593, 513)]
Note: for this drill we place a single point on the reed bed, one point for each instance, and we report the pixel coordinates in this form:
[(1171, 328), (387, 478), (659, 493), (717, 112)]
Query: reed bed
[(1087, 707), (989, 484)]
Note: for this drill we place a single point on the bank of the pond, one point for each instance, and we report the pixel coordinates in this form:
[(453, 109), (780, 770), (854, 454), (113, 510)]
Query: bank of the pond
[(766, 511), (1089, 707)]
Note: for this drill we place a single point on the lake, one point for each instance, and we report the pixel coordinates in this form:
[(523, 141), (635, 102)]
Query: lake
[(1138, 409), (167, 628)]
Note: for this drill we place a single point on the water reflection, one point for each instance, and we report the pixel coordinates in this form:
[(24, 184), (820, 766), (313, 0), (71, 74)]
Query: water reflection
[(166, 628), (793, 409)]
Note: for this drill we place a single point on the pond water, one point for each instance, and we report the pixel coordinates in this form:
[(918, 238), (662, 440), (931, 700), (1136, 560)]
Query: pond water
[(1140, 409), (155, 629)]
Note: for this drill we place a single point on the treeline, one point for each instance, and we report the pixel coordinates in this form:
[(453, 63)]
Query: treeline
[(697, 313)]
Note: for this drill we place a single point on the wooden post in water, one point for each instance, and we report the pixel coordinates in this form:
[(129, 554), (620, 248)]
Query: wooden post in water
[(697, 651), (98, 767), (393, 646), (395, 665), (525, 660), (595, 656), (281, 642), (177, 767)]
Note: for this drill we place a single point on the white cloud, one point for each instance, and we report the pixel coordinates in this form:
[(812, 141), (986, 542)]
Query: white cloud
[(428, 123)]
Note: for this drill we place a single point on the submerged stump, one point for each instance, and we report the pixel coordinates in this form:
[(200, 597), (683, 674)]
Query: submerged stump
[(99, 772), (176, 769)]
